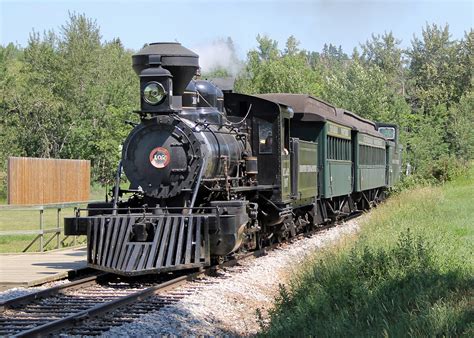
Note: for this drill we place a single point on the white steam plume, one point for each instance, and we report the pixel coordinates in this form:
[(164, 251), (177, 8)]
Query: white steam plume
[(219, 54)]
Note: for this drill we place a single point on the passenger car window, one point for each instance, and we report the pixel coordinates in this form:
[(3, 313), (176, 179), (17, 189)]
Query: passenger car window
[(388, 132)]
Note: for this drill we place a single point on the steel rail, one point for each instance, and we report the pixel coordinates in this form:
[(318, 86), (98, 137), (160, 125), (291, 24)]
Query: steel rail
[(100, 309), (18, 301), (103, 308)]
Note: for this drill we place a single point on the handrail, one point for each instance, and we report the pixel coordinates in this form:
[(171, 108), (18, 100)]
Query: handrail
[(151, 208), (115, 211), (58, 230), (40, 233), (27, 207), (30, 232)]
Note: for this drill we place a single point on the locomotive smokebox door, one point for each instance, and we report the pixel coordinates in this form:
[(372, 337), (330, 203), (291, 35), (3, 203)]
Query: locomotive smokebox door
[(162, 156)]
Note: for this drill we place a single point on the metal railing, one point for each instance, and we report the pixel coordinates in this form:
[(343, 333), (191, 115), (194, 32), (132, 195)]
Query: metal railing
[(42, 232)]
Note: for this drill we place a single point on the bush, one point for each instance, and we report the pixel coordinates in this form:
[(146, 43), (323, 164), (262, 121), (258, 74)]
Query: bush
[(372, 292), (3, 186), (441, 170), (446, 168), (409, 182)]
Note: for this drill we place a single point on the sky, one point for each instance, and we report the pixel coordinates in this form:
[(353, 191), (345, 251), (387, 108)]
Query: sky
[(199, 23)]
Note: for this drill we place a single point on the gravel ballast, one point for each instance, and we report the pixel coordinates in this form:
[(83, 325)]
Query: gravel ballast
[(227, 304), (21, 291)]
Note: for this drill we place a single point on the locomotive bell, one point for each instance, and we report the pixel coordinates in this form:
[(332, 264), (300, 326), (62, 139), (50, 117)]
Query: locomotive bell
[(164, 69)]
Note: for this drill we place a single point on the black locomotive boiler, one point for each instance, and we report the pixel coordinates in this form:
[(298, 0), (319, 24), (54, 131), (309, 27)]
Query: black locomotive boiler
[(211, 173)]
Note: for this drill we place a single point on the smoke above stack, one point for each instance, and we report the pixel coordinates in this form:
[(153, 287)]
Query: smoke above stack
[(218, 55)]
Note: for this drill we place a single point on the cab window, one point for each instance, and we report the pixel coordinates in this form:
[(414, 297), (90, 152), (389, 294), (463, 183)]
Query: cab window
[(265, 137)]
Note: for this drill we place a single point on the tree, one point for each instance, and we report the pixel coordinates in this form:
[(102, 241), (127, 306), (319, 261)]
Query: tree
[(364, 90), (383, 51), (9, 69), (291, 46), (440, 76), (267, 48), (270, 70), (66, 96), (460, 127), (332, 53), (434, 70), (38, 113), (465, 60)]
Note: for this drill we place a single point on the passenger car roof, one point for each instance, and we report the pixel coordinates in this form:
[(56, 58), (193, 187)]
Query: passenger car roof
[(306, 107), (359, 123), (311, 109)]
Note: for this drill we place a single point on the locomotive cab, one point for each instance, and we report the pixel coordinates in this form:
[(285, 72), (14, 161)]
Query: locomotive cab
[(269, 123)]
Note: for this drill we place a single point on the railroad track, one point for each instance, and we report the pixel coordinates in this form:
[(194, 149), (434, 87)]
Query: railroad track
[(64, 308), (87, 306)]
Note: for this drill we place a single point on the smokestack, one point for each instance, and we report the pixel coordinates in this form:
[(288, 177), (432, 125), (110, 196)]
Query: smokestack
[(181, 62)]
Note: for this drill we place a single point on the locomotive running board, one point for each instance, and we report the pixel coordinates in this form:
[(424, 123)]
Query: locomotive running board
[(179, 242)]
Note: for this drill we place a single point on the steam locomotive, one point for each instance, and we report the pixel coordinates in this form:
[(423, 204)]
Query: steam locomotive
[(212, 173)]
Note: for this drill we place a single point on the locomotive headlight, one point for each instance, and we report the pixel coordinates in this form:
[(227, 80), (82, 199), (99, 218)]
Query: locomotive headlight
[(154, 93)]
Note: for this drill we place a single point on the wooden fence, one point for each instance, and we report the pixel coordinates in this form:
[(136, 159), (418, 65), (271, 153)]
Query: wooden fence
[(42, 180)]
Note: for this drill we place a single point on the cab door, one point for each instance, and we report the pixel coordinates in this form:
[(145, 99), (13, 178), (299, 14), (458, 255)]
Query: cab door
[(265, 148), (285, 161)]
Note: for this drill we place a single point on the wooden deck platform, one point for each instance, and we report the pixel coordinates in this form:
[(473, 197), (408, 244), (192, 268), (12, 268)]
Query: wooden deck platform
[(30, 269)]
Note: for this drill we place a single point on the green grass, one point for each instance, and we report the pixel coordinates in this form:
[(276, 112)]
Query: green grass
[(17, 243), (17, 220), (410, 272), (98, 192), (11, 220)]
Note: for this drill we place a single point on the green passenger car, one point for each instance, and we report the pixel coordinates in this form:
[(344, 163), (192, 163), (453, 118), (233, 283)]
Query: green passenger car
[(337, 144), (393, 151), (369, 162)]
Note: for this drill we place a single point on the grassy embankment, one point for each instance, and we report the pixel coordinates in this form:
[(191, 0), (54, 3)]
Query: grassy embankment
[(17, 220), (410, 272)]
